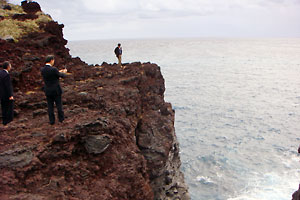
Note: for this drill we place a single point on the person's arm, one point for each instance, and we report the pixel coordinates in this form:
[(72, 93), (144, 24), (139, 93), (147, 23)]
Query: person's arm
[(59, 74)]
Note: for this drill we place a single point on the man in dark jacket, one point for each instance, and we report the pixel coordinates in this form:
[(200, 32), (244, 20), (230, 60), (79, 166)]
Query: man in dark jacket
[(52, 89), (118, 52), (6, 94)]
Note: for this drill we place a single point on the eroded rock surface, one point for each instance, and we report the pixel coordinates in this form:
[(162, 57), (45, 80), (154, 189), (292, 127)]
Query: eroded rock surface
[(117, 141), (118, 136)]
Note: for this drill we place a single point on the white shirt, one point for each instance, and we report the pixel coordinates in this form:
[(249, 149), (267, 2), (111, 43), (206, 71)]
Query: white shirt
[(6, 71)]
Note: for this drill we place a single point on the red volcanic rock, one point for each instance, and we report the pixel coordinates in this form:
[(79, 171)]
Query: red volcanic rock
[(117, 142), (30, 7), (27, 56), (55, 29), (23, 17)]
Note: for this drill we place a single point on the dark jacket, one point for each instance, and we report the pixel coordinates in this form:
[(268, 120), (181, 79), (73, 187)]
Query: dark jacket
[(51, 79), (6, 90), (118, 51)]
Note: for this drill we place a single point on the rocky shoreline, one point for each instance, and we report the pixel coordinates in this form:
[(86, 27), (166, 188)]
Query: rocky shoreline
[(117, 142), (296, 195)]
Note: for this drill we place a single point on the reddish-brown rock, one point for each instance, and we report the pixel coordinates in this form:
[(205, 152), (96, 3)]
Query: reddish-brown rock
[(117, 141), (296, 195), (30, 7), (23, 17), (27, 56)]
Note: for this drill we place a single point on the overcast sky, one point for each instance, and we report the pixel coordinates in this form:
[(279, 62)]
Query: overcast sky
[(122, 19)]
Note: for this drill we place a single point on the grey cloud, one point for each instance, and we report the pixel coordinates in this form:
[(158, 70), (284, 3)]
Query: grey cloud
[(138, 18)]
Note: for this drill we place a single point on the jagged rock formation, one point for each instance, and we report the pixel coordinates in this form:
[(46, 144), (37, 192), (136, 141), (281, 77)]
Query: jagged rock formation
[(118, 139), (296, 195)]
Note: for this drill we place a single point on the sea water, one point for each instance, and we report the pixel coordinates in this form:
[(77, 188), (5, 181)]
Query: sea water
[(237, 104)]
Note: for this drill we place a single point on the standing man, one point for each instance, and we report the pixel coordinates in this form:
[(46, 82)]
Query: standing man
[(52, 88), (118, 52), (6, 94)]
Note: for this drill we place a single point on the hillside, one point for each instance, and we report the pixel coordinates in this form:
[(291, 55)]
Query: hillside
[(118, 140)]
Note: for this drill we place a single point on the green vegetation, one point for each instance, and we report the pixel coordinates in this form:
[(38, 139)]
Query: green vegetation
[(15, 28), (15, 9)]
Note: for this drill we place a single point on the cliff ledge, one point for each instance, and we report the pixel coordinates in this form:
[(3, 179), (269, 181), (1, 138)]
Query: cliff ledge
[(117, 142)]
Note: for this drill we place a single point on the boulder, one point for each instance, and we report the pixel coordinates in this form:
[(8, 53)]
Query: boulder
[(6, 7), (30, 7), (96, 144), (296, 195), (18, 157)]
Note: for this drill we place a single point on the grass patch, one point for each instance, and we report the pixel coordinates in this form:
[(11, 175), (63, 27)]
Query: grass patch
[(15, 9), (17, 29)]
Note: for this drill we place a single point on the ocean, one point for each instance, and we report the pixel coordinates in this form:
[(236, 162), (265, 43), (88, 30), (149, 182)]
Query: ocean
[(237, 104)]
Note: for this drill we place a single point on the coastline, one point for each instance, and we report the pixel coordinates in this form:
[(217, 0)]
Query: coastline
[(104, 142)]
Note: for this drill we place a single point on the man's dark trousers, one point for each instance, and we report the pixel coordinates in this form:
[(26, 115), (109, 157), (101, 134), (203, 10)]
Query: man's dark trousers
[(7, 110), (57, 99)]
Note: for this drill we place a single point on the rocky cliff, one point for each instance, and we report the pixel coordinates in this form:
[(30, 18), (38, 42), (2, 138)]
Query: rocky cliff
[(296, 195), (117, 142)]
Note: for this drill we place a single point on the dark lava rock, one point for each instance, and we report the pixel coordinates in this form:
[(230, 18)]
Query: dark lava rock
[(39, 112), (23, 17), (60, 138), (14, 158), (96, 144), (6, 7), (30, 7), (26, 69), (296, 195)]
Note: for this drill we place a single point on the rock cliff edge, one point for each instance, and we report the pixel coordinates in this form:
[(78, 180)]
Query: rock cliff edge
[(117, 142)]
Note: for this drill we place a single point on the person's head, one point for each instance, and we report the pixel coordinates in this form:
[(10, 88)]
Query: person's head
[(50, 60), (6, 65), (119, 45)]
